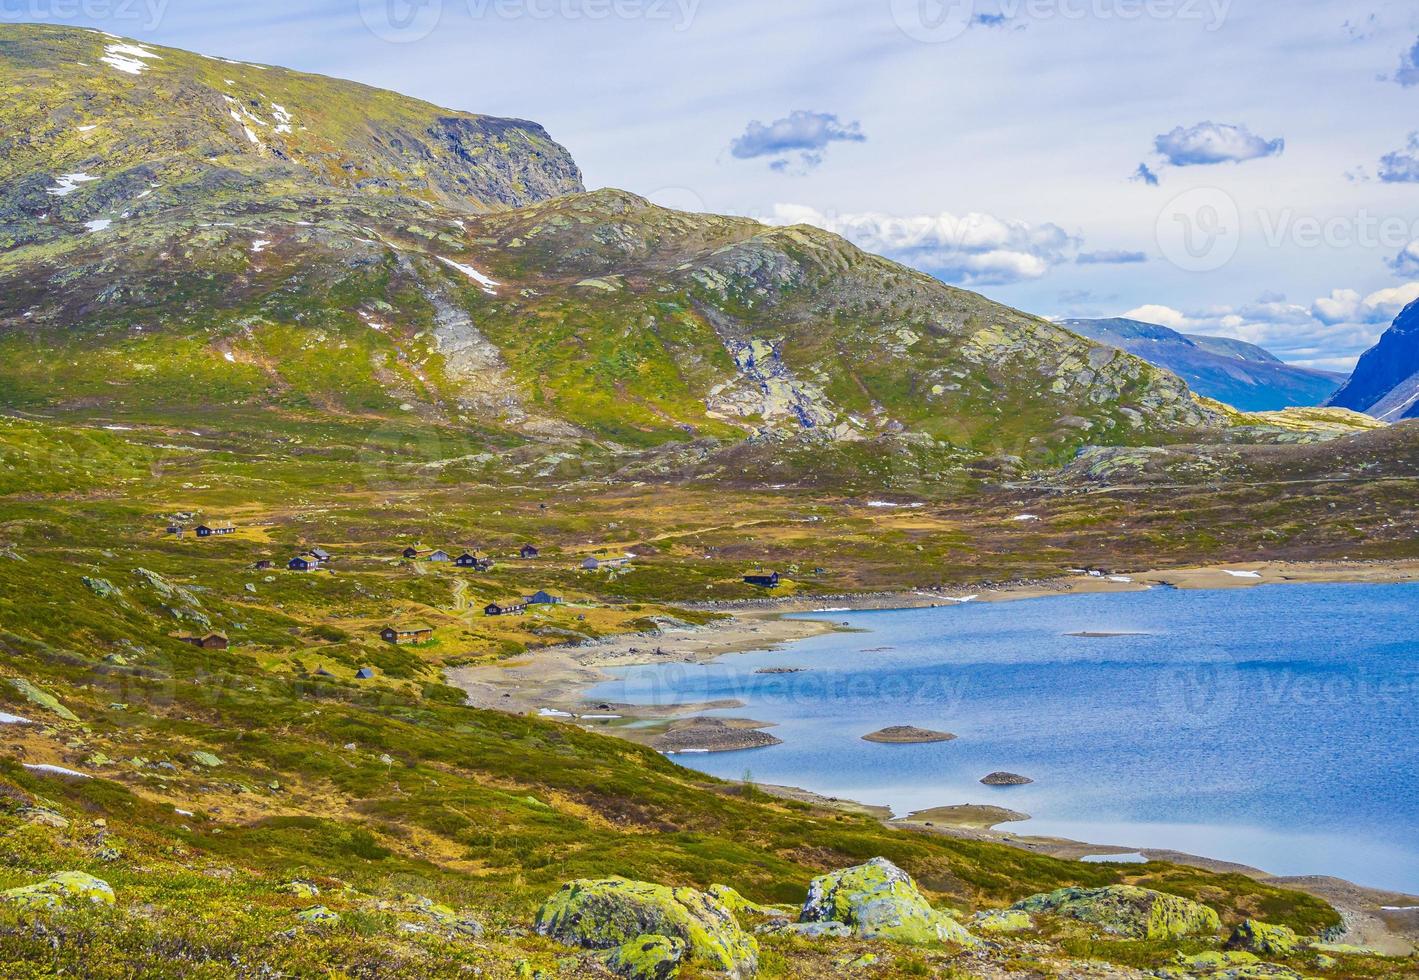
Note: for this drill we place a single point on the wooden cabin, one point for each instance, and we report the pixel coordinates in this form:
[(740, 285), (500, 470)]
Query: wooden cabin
[(770, 581), (403, 635), (303, 563), (528, 551), (511, 608), (438, 555), (221, 527)]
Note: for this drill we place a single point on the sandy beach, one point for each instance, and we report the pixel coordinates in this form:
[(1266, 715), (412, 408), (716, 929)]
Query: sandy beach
[(552, 682)]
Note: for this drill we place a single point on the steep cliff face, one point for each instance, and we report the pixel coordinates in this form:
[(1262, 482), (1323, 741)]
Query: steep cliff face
[(1386, 381)]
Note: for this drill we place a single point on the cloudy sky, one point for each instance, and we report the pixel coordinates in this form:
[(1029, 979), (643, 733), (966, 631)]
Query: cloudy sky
[(1240, 167)]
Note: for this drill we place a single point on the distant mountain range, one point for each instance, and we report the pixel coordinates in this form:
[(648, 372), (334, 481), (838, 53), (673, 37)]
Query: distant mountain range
[(1386, 381), (1232, 371)]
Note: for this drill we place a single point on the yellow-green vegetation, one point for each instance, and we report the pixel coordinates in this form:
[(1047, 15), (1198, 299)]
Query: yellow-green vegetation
[(346, 320)]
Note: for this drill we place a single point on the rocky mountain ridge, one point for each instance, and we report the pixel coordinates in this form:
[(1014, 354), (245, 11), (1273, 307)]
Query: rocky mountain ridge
[(1386, 380), (1243, 375)]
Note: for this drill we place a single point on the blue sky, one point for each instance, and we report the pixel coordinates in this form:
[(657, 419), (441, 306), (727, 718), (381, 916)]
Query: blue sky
[(1239, 167)]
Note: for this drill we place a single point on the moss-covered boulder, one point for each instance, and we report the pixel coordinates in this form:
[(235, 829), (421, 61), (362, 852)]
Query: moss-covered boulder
[(608, 913), (878, 900), (1125, 910), (1266, 940), (647, 958), (67, 887)]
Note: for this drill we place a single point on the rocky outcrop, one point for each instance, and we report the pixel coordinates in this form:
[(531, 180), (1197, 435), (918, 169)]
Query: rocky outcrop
[(41, 698), (612, 912), (1125, 910), (878, 900), (1006, 779)]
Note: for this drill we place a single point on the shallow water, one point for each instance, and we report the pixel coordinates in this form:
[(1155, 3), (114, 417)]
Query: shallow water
[(1274, 726)]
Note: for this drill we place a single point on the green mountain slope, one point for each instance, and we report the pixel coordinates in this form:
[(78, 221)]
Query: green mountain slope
[(255, 241)]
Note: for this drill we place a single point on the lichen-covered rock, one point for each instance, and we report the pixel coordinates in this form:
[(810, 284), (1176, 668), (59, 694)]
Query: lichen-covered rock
[(647, 958), (1002, 921), (1267, 940), (301, 889), (744, 909), (1125, 910), (60, 889), (878, 900), (319, 915), (206, 759), (101, 587), (41, 698), (42, 816), (610, 912)]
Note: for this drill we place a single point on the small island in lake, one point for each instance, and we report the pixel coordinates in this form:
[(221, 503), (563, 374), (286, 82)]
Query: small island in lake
[(1006, 779), (713, 735), (907, 735)]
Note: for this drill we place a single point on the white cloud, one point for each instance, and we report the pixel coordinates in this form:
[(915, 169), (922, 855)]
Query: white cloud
[(974, 249), (1164, 316), (1211, 142), (1327, 335), (1348, 306)]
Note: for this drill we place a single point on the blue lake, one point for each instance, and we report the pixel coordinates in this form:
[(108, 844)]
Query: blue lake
[(1275, 726)]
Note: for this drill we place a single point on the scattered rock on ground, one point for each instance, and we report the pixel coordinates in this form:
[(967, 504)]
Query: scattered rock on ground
[(1125, 910), (879, 900), (1002, 921)]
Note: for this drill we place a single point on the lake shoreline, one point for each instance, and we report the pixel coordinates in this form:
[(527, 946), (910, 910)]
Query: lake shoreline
[(553, 682)]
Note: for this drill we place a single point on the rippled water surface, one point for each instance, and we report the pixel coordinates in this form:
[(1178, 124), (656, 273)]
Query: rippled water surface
[(1275, 726)]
